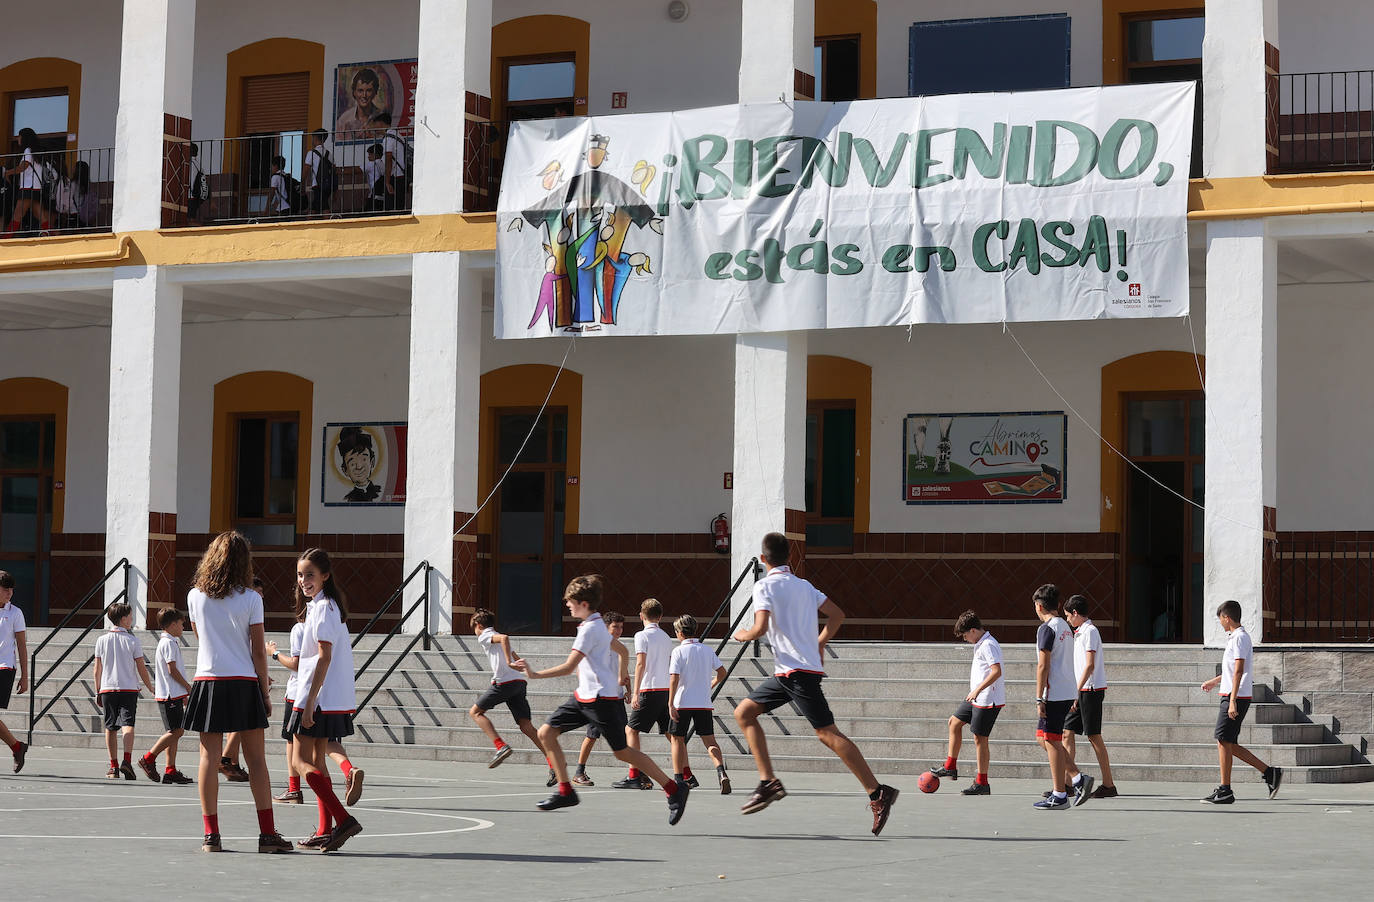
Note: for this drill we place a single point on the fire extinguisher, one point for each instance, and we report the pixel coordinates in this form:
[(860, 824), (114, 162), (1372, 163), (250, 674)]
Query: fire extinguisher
[(720, 534)]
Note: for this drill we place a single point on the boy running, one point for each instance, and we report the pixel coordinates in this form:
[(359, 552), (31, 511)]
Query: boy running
[(693, 671), (1237, 685), (987, 695), (1054, 692), (786, 609), (598, 700), (172, 688), (649, 701), (1086, 714), (615, 623), (507, 687), (14, 651)]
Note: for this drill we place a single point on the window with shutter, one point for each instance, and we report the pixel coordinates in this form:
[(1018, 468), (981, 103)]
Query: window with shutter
[(276, 103)]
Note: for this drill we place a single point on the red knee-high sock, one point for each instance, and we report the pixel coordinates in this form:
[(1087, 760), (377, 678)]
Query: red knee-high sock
[(347, 768), (326, 822), (293, 784), (687, 772), (265, 822), (950, 763), (324, 791), (211, 822)]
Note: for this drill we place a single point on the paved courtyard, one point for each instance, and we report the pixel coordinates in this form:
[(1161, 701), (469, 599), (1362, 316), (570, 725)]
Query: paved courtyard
[(461, 831)]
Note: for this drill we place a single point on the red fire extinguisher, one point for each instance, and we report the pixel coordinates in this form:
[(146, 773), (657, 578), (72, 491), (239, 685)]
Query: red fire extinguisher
[(720, 534)]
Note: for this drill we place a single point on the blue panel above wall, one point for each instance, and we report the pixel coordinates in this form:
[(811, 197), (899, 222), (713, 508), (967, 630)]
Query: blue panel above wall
[(1010, 53)]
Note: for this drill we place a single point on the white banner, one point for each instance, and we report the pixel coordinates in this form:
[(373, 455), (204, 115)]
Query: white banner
[(1048, 205)]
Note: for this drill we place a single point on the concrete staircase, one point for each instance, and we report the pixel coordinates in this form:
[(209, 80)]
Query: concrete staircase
[(892, 699)]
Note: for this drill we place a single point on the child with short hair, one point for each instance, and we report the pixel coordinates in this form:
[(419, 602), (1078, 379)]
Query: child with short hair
[(1054, 690), (693, 671), (169, 676), (507, 687), (1086, 714), (279, 202), (116, 674), (615, 623), (986, 697), (373, 178), (1237, 684), (14, 651), (599, 699), (649, 698)]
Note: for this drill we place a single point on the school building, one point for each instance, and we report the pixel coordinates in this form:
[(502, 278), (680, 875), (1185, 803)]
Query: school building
[(189, 357)]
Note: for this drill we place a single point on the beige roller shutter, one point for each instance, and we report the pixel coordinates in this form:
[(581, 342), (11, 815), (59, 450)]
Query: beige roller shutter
[(276, 103)]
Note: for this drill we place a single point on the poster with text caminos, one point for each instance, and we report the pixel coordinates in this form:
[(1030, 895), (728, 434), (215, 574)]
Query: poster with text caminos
[(1047, 205)]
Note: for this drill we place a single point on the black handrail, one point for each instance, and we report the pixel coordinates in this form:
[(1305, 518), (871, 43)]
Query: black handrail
[(33, 657), (395, 596), (725, 602), (754, 566), (424, 635)]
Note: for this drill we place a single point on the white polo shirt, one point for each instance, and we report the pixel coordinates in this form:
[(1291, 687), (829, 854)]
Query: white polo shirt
[(987, 654), (221, 625), (118, 649), (1238, 647), (315, 160), (793, 624), (392, 143), (294, 650), (1085, 639), (31, 179), (11, 623), (695, 665), (598, 673), (656, 646), (501, 672), (1056, 637), (323, 624), (168, 652)]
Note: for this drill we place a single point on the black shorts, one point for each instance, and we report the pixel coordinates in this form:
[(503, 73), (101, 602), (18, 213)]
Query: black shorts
[(980, 718), (29, 194), (511, 694), (6, 686), (803, 690), (333, 725), (225, 706), (1228, 730), (608, 714), (652, 712), (173, 711), (1086, 719), (699, 719), (1051, 726), (121, 708)]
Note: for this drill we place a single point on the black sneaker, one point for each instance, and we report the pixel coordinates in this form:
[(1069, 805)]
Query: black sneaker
[(127, 769), (341, 834), (553, 778), (977, 789), (1083, 791), (677, 803), (950, 773), (725, 788), (211, 843), (1051, 804), (501, 755), (1273, 777), (692, 781), (633, 783), (19, 754), (176, 777), (150, 769), (765, 794), (1222, 795), (882, 806), (558, 800)]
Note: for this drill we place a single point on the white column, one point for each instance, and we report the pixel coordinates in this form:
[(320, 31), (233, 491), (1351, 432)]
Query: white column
[(1233, 83), (145, 388), (454, 71), (770, 443), (441, 437), (155, 69), (1242, 418), (777, 37)]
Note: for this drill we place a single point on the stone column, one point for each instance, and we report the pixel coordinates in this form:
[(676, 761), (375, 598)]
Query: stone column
[(153, 127), (452, 105), (145, 388)]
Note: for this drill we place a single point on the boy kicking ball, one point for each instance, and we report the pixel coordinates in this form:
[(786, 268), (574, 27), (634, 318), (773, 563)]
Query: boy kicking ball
[(172, 688), (693, 671), (598, 700), (987, 695), (1237, 685)]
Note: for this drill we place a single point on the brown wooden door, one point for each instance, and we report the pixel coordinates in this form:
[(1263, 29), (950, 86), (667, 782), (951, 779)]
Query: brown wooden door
[(27, 454)]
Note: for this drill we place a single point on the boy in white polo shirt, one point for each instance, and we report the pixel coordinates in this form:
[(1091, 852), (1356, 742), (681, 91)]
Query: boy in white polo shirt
[(693, 671), (1237, 687), (507, 687), (598, 700), (987, 695), (172, 688), (1054, 691), (118, 670), (14, 651), (1086, 714), (649, 699), (787, 609)]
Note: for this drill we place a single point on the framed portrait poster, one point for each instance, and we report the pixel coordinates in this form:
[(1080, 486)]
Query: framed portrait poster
[(363, 465), (362, 90)]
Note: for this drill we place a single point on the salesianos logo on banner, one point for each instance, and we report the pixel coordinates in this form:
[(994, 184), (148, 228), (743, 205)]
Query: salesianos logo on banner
[(1051, 205), (984, 457)]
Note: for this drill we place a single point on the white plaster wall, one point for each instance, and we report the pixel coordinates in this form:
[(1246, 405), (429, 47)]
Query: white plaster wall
[(1325, 433), (895, 18), (80, 360), (85, 32), (635, 48), (359, 367), (656, 426), (1325, 36), (975, 368)]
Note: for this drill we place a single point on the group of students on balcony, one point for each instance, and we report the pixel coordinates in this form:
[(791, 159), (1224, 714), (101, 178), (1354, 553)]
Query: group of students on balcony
[(39, 193)]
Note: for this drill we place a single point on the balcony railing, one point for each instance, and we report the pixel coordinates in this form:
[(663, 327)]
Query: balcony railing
[(1326, 121), (234, 180), (77, 193), (1325, 587)]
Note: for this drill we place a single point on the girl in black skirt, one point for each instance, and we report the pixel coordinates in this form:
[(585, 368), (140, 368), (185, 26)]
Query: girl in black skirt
[(324, 694), (229, 693)]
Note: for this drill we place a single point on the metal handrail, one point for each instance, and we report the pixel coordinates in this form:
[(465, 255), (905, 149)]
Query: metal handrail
[(386, 605), (754, 566), (423, 635), (725, 602), (33, 657)]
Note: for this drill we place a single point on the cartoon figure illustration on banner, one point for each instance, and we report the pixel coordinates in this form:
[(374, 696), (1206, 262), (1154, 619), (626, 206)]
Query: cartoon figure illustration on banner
[(586, 222)]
